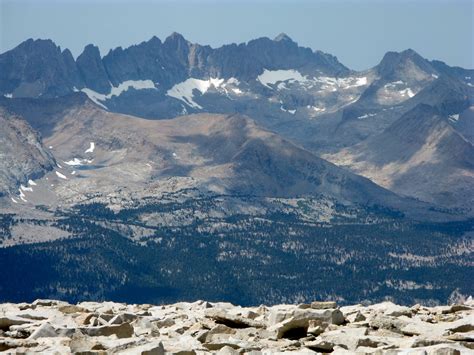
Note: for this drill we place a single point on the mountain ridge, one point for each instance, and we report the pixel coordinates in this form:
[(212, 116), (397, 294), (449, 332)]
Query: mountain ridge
[(420, 155), (175, 49)]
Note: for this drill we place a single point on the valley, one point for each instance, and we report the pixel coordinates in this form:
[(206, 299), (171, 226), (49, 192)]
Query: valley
[(172, 171)]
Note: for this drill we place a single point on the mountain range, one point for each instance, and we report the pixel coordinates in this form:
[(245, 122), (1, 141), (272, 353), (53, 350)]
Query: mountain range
[(235, 147)]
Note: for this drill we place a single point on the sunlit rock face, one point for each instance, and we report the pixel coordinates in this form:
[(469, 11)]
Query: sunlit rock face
[(49, 326)]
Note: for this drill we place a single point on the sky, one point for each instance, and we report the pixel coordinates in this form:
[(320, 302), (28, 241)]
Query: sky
[(359, 32)]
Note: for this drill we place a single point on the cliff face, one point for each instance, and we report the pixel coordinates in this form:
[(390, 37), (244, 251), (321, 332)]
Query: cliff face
[(49, 326), (40, 68), (22, 155)]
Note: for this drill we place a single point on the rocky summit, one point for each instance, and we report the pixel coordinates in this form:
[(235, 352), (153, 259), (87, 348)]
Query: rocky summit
[(57, 327)]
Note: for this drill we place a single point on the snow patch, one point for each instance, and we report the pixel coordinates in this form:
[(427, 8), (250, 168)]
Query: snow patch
[(14, 201), (135, 84), (317, 109), (233, 81), (118, 90), (367, 115), (289, 111), (275, 76), (77, 162), (22, 196), (91, 148), (8, 96), (454, 118), (434, 76), (407, 92), (282, 77), (361, 81), (184, 90), (341, 83), (31, 182), (393, 84), (95, 97), (24, 188), (60, 175)]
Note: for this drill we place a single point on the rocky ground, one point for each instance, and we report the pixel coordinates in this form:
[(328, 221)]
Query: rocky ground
[(56, 327)]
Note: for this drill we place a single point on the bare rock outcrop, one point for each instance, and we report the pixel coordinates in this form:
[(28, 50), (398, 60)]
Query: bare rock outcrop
[(48, 326)]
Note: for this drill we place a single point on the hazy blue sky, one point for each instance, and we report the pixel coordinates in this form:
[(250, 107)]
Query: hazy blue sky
[(357, 32)]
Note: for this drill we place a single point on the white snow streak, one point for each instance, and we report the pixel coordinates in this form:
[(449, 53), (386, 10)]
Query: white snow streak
[(366, 116), (118, 90), (60, 175), (24, 188), (317, 109), (289, 111), (275, 76), (77, 162), (454, 118), (407, 92), (95, 97), (91, 148), (184, 91), (22, 196)]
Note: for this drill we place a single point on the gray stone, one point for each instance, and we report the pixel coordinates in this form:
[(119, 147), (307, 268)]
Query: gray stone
[(124, 330), (228, 350), (68, 309), (219, 345), (122, 318), (386, 322), (231, 320), (323, 305), (48, 303), (7, 322), (46, 330)]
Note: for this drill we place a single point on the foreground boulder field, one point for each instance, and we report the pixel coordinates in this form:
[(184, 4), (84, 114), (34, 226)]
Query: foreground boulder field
[(56, 327)]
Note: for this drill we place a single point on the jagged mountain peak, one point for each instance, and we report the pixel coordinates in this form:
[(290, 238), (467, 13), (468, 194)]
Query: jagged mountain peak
[(155, 40), (92, 69), (176, 37), (282, 37), (168, 63), (38, 43), (405, 65), (391, 56), (90, 48)]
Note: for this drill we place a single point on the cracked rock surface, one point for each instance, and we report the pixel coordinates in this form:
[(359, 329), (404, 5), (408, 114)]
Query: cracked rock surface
[(57, 327)]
